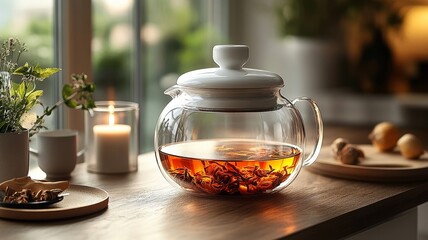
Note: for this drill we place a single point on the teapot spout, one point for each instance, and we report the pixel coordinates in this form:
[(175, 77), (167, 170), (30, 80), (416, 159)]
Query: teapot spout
[(173, 91)]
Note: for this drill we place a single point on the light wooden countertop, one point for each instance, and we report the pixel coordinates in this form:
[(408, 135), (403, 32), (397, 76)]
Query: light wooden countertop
[(144, 206)]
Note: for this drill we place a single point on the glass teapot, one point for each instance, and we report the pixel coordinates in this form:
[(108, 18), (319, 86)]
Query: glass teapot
[(229, 131)]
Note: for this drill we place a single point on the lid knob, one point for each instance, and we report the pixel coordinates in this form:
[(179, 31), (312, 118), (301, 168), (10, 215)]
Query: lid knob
[(231, 56)]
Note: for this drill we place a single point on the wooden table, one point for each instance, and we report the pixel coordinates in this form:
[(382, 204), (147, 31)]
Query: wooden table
[(144, 206)]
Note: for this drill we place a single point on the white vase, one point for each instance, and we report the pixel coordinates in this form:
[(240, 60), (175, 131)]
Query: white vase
[(14, 155), (310, 66)]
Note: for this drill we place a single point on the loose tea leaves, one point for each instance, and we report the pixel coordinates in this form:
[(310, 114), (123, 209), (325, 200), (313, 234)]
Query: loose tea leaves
[(26, 195), (229, 167), (229, 179)]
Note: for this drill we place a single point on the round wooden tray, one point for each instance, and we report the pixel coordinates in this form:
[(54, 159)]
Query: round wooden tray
[(378, 167), (81, 201)]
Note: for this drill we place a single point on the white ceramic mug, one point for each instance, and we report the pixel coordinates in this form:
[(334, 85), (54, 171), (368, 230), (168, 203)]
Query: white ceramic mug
[(57, 153)]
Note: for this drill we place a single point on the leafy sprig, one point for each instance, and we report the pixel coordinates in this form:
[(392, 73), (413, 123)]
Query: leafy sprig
[(35, 73), (78, 94), (10, 53), (17, 99)]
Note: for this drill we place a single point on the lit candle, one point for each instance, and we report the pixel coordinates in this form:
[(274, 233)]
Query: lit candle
[(112, 146)]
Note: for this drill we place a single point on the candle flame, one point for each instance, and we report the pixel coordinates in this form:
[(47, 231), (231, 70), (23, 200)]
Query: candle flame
[(111, 115)]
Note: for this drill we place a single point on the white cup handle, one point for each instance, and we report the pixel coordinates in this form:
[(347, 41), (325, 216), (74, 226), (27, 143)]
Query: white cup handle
[(34, 151), (81, 152)]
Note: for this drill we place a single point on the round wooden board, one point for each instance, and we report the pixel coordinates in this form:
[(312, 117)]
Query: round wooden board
[(378, 167), (81, 201)]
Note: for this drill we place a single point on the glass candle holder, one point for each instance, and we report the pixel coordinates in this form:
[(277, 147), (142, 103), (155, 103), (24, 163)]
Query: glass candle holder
[(112, 137)]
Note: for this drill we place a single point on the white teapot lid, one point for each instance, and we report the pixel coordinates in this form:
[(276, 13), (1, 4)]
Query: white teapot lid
[(230, 74), (230, 87)]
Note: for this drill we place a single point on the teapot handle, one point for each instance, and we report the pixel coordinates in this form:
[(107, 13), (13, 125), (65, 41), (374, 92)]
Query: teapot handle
[(319, 130)]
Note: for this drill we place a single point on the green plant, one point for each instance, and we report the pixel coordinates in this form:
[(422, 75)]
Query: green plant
[(364, 24), (307, 18), (19, 93), (319, 18), (373, 14), (372, 21)]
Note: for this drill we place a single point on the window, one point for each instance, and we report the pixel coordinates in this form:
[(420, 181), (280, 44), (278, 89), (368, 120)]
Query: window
[(32, 23), (132, 49), (139, 48)]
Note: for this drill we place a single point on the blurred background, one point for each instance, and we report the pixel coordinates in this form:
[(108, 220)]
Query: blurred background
[(363, 61)]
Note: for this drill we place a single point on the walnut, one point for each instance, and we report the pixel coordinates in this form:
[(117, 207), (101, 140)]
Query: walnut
[(346, 152), (337, 146), (351, 154)]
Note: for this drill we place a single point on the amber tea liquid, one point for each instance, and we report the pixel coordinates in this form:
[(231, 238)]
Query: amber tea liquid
[(229, 166)]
